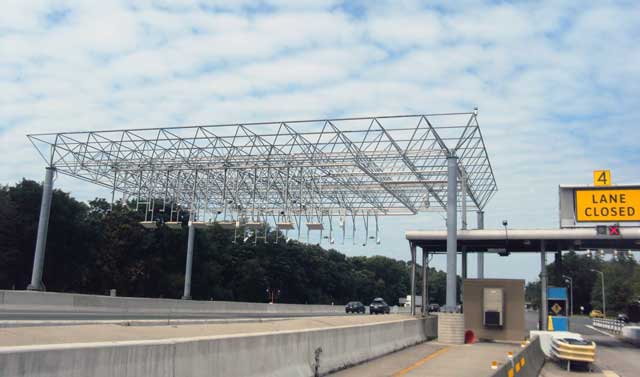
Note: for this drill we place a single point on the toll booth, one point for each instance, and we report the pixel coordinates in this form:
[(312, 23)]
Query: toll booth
[(557, 307), (494, 308)]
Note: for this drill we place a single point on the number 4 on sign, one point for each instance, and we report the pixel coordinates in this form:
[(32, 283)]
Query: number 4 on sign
[(602, 178)]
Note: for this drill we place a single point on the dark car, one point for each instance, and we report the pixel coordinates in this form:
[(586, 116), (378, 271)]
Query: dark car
[(434, 308), (623, 318), (379, 306), (354, 307)]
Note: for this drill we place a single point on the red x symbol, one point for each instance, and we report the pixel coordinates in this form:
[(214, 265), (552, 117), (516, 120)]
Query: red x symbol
[(614, 230)]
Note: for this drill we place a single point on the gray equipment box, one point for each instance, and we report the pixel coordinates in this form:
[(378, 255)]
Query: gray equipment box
[(493, 307)]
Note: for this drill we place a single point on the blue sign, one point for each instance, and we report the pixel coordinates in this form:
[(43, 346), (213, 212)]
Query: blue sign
[(556, 293)]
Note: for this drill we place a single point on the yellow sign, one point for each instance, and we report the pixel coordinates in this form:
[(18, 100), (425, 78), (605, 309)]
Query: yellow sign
[(602, 178), (556, 308), (606, 205)]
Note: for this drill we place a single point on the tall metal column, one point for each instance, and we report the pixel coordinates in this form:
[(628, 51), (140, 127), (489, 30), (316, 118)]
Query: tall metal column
[(43, 227), (543, 287), (413, 278), (464, 262), (557, 279), (480, 254), (425, 287), (463, 199), (452, 227), (187, 275)]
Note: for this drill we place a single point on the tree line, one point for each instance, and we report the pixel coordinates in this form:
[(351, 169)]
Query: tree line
[(621, 278), (96, 246)]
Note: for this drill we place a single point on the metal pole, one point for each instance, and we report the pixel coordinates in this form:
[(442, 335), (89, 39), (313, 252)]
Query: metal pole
[(188, 267), (463, 199), (570, 281), (425, 296), (604, 304), (559, 268), (480, 254), (543, 287), (571, 287), (43, 226), (452, 236), (413, 278), (464, 262), (604, 300)]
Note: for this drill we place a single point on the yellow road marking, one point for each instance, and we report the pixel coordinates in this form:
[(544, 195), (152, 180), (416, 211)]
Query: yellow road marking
[(420, 362)]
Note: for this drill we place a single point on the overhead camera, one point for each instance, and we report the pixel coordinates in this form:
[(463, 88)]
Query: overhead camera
[(505, 223)]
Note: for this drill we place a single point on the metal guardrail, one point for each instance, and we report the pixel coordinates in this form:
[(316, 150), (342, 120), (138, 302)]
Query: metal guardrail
[(612, 325)]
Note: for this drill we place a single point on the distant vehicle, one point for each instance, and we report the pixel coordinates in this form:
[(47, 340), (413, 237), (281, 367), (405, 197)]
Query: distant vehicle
[(379, 306), (623, 317), (434, 308), (596, 314), (407, 301), (354, 307)]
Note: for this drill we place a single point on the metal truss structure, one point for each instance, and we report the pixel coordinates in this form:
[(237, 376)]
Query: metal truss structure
[(290, 173)]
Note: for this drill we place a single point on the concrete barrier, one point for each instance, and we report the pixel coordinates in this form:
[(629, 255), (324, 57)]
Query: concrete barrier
[(78, 302), (282, 354), (527, 363)]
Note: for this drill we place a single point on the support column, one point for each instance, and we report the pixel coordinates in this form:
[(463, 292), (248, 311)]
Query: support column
[(463, 199), (543, 287), (43, 227), (188, 267), (452, 235), (413, 278), (559, 270), (425, 287), (464, 262), (480, 254)]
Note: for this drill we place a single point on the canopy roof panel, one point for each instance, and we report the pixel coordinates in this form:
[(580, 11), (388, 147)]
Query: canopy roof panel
[(526, 240)]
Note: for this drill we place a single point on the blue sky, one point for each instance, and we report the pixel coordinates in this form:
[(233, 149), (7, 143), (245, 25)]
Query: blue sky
[(557, 83)]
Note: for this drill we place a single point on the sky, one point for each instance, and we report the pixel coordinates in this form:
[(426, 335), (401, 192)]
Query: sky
[(557, 84)]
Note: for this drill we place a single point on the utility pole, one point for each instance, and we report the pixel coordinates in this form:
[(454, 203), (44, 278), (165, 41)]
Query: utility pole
[(570, 280), (604, 301)]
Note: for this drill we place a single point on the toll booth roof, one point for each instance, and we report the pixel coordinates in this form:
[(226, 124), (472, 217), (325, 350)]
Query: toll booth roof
[(526, 240)]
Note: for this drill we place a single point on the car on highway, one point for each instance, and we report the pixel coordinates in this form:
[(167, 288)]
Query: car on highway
[(354, 307), (623, 318), (434, 308), (596, 314), (379, 306)]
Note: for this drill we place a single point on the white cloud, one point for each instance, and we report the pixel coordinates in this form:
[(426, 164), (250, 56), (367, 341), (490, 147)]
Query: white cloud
[(556, 84)]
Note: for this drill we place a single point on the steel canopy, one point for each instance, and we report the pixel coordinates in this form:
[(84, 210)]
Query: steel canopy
[(367, 166)]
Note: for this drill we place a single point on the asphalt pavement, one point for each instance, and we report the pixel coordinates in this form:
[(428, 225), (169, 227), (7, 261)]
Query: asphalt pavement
[(435, 359), (612, 353)]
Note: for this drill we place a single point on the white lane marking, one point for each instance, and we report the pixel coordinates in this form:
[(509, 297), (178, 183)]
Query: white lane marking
[(609, 373), (600, 331)]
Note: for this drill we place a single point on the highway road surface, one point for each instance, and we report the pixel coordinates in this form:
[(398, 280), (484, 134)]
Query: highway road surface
[(39, 315), (611, 353)]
